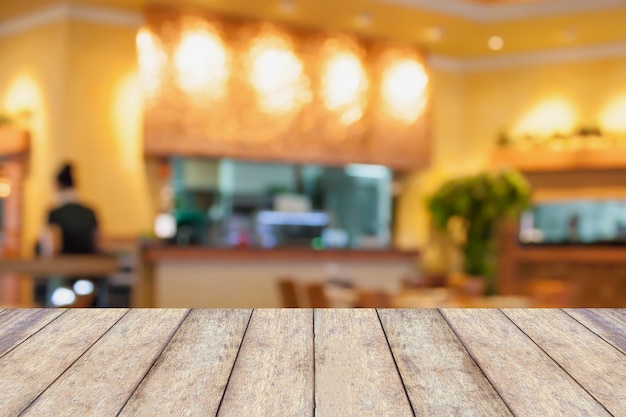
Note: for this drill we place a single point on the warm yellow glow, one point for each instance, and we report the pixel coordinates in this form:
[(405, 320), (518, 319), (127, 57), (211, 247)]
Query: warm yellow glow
[(613, 117), (23, 95), (551, 116), (495, 43), (5, 188), (201, 62), (277, 75), (404, 89), (152, 60), (344, 84), (126, 117)]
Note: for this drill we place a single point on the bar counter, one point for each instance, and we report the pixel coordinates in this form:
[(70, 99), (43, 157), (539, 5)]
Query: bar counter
[(302, 362), (203, 277), (158, 253)]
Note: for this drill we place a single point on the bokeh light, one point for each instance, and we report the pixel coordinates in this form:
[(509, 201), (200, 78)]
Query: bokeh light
[(83, 287), (201, 62), (152, 60), (403, 89), (549, 116), (277, 75), (62, 297), (344, 84), (613, 117), (5, 188)]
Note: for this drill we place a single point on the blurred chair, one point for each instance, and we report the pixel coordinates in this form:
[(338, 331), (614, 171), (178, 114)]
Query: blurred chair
[(374, 299), (552, 293), (317, 295), (288, 293), (409, 282)]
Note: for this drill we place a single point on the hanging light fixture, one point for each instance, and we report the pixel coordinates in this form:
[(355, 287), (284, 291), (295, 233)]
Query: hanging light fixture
[(201, 61), (277, 74), (403, 89), (344, 82)]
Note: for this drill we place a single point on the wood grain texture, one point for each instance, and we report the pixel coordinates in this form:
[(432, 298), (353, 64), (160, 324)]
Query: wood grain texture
[(440, 376), (591, 361), (17, 325), (273, 373), (609, 324), (102, 380), (26, 371), (190, 376), (529, 381), (355, 374)]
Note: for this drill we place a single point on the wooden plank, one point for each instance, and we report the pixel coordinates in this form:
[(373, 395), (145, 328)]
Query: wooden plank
[(192, 372), (591, 361), (26, 371), (65, 265), (526, 378), (19, 324), (609, 324), (440, 377), (273, 373), (102, 380), (354, 370)]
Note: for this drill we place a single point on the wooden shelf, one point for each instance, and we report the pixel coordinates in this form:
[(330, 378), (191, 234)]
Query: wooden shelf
[(547, 160), (13, 140)]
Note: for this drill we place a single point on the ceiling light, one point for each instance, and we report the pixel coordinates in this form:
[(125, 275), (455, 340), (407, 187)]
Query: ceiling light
[(364, 19), (434, 34), (495, 43)]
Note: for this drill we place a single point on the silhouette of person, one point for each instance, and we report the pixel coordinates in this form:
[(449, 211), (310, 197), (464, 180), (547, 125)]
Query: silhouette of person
[(72, 230)]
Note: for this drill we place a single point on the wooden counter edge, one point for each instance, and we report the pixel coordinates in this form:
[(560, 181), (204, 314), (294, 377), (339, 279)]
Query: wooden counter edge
[(156, 254)]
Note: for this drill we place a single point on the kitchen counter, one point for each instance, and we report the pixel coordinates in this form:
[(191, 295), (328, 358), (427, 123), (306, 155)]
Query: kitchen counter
[(203, 277)]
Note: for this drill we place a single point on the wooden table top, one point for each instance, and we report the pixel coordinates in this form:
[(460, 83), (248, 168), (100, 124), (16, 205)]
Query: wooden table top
[(332, 362)]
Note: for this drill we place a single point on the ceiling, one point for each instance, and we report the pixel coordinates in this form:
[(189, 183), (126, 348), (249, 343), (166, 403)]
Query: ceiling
[(459, 28)]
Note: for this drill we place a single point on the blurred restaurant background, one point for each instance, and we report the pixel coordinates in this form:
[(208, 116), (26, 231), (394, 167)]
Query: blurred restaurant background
[(296, 153)]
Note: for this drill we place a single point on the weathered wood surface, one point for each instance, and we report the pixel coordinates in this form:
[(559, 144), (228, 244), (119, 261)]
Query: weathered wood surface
[(17, 325), (528, 380), (591, 361), (273, 374), (305, 362), (607, 323), (32, 367), (354, 370), (99, 382), (440, 376), (199, 358)]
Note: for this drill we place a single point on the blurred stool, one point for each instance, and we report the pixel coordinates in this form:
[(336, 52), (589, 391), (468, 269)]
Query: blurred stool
[(316, 294), (288, 293), (552, 293)]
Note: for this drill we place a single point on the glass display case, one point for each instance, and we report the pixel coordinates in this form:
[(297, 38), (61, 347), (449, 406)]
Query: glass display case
[(584, 221)]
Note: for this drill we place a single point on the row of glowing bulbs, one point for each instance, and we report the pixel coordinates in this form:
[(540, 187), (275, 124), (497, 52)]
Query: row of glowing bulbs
[(201, 62)]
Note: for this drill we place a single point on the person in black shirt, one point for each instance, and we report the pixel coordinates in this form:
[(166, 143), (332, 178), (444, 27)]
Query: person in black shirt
[(73, 227), (75, 222)]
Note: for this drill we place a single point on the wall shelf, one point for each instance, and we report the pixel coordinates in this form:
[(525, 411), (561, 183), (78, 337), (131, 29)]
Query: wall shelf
[(547, 160)]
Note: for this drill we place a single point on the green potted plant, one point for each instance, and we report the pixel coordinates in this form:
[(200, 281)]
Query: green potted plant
[(479, 202)]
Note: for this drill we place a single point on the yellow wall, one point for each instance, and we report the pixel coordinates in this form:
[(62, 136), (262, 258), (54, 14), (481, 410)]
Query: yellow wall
[(471, 109), (104, 119), (540, 100), (32, 77), (79, 81)]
